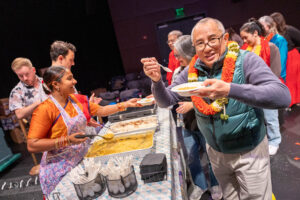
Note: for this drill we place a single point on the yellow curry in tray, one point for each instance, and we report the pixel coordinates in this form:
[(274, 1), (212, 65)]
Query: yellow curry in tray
[(122, 143)]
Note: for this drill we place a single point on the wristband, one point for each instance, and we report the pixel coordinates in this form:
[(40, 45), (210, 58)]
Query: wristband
[(121, 107)]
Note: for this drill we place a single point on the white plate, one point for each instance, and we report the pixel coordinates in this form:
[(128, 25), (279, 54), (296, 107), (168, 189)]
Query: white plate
[(146, 101), (186, 88)]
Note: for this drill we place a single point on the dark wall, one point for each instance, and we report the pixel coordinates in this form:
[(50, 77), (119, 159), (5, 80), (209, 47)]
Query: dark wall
[(135, 20), (29, 27), (110, 35)]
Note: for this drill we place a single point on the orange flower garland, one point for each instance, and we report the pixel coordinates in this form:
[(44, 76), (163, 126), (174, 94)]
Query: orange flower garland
[(227, 76)]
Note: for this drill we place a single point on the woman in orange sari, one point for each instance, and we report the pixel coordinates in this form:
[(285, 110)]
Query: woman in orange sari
[(57, 121), (252, 33)]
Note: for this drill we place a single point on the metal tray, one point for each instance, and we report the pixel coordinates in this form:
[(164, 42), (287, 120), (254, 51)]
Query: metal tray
[(134, 113), (108, 124), (134, 153)]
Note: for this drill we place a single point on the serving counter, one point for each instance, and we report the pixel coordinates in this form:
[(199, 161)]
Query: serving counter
[(173, 187)]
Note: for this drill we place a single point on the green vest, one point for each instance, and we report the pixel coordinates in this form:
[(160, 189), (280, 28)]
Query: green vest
[(243, 130)]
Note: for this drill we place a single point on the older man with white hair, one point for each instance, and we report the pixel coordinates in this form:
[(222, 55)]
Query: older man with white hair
[(173, 62), (228, 109)]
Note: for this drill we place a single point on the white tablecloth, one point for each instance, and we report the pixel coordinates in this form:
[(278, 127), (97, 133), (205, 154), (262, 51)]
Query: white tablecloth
[(171, 188)]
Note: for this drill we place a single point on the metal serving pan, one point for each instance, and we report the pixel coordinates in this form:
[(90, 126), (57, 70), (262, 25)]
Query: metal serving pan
[(133, 113), (134, 153), (111, 126)]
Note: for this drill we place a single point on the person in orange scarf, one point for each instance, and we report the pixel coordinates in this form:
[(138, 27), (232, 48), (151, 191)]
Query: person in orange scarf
[(173, 62), (252, 33), (58, 121)]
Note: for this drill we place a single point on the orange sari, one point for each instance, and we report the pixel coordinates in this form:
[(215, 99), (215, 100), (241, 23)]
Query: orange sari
[(46, 122)]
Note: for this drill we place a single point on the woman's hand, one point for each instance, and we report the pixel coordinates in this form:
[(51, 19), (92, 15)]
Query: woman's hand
[(94, 99), (214, 89), (132, 103), (150, 96), (184, 107), (151, 68), (74, 140), (93, 123)]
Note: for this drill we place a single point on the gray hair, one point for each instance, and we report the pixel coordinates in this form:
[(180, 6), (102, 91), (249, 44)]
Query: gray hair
[(270, 23), (206, 20), (175, 32), (185, 47)]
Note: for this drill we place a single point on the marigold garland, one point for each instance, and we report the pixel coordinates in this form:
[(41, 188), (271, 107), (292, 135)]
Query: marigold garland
[(227, 76), (257, 49)]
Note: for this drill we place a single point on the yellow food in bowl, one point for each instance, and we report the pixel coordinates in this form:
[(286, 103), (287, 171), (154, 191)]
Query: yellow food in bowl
[(120, 144), (187, 88), (108, 136)]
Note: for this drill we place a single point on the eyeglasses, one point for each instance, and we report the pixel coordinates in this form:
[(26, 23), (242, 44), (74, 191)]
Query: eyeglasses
[(176, 56), (170, 41), (213, 43)]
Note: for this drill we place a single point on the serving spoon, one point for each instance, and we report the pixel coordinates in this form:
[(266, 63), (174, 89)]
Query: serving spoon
[(107, 136)]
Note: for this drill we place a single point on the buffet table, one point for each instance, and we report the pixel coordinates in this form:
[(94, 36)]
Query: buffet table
[(165, 141)]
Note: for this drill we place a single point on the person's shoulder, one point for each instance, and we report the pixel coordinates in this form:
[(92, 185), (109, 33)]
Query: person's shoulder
[(45, 108), (39, 78), (47, 104), (291, 28), (79, 98), (272, 45), (250, 57), (19, 86), (18, 89), (280, 38)]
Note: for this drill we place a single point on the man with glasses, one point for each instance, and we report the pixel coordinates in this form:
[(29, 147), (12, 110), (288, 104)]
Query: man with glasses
[(238, 84), (173, 62)]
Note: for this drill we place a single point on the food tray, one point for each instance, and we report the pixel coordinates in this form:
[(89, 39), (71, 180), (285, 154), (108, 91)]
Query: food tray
[(104, 130), (133, 113), (134, 153)]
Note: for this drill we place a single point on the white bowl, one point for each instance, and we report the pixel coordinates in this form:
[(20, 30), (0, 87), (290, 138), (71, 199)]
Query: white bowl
[(146, 101), (185, 89)]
